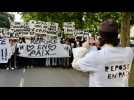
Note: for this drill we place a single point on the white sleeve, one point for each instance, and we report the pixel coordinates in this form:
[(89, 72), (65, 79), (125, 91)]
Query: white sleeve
[(78, 53), (89, 63), (131, 53)]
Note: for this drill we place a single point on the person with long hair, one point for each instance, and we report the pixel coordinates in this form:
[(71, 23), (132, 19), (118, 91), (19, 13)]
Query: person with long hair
[(110, 66)]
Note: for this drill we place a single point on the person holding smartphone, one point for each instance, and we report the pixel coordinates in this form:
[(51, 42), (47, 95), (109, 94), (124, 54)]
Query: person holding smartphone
[(110, 66)]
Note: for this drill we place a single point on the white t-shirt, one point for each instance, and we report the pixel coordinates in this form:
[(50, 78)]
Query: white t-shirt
[(108, 67), (77, 50), (21, 47)]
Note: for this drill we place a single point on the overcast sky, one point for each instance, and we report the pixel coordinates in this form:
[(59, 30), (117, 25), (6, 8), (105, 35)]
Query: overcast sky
[(17, 17)]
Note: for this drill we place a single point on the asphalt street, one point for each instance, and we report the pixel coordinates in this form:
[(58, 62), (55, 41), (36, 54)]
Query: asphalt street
[(43, 77)]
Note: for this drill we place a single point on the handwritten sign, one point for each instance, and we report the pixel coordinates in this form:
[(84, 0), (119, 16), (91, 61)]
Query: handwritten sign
[(79, 32), (69, 24), (69, 27), (69, 30), (44, 51), (34, 28), (52, 27), (40, 27), (20, 28), (47, 48), (5, 50), (3, 32)]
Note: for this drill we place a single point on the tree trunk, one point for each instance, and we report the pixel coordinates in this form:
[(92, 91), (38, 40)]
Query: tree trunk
[(125, 29)]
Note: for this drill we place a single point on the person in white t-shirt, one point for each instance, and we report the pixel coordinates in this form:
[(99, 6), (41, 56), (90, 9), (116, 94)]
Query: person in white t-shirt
[(110, 66)]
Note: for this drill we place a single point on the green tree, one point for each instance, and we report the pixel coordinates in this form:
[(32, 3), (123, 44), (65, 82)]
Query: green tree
[(58, 17), (125, 29), (5, 19), (93, 19)]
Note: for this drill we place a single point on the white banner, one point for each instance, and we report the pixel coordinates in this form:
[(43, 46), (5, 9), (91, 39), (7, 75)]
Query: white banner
[(29, 28), (38, 26), (69, 30), (3, 54), (52, 27), (3, 32), (5, 50), (20, 28), (69, 24), (79, 32), (44, 49), (41, 27), (69, 27)]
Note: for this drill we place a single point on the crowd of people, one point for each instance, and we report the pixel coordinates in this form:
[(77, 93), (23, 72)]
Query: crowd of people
[(108, 65), (78, 40), (70, 42)]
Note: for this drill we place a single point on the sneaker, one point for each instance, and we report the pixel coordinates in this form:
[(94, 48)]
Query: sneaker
[(7, 68), (12, 68)]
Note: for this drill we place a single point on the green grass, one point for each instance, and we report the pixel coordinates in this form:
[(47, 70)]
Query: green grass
[(131, 78)]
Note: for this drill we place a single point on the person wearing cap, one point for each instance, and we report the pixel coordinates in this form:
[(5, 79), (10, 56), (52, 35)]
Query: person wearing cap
[(110, 66)]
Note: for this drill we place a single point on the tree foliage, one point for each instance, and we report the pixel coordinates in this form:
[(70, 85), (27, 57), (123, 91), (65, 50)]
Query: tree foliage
[(91, 20), (5, 19), (58, 17)]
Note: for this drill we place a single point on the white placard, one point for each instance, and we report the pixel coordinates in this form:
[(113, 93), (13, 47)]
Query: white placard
[(69, 30), (40, 27), (79, 32), (34, 28), (52, 27), (69, 24), (20, 28), (44, 49), (6, 50), (69, 27), (3, 32), (3, 54)]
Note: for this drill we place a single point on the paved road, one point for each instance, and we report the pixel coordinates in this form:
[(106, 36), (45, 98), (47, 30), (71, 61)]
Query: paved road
[(43, 77)]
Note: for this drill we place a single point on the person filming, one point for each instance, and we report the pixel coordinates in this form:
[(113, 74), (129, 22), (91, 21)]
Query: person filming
[(110, 66)]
